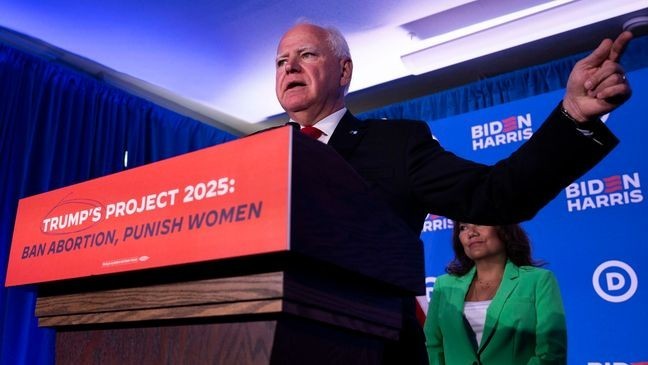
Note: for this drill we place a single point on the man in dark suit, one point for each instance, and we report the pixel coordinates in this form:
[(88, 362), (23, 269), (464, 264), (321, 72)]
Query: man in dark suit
[(407, 168)]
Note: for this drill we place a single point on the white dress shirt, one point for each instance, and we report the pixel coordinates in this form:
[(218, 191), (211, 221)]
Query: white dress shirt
[(328, 125)]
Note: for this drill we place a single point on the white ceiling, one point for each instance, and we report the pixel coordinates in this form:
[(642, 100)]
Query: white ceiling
[(217, 58)]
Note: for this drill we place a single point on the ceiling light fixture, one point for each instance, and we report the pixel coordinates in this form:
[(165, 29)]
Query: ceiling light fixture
[(637, 25), (511, 30)]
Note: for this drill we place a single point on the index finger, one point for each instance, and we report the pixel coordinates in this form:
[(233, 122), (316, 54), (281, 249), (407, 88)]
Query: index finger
[(619, 45)]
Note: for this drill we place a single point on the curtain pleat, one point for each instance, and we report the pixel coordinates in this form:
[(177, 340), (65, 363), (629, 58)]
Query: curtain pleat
[(59, 127), (501, 89)]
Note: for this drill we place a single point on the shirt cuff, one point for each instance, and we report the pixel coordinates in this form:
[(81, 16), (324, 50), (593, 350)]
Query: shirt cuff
[(587, 128)]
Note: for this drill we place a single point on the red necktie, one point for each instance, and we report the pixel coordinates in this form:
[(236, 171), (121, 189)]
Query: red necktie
[(312, 132)]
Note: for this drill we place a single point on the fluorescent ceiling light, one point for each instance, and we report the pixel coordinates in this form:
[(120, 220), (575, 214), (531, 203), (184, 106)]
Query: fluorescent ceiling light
[(512, 30), (490, 23)]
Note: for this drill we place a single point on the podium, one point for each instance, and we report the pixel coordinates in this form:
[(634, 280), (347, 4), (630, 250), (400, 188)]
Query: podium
[(313, 271)]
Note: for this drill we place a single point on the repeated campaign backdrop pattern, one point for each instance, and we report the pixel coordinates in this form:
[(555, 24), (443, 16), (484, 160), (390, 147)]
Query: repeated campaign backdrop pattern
[(593, 233)]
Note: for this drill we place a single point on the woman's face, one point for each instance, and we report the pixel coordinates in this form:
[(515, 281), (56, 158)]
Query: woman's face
[(480, 242)]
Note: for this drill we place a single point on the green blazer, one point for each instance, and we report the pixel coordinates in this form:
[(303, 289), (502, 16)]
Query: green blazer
[(525, 322)]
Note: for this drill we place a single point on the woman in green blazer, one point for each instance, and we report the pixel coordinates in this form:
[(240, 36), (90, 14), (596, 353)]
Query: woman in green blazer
[(495, 306)]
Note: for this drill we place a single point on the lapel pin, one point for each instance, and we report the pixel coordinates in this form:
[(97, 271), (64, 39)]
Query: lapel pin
[(353, 132)]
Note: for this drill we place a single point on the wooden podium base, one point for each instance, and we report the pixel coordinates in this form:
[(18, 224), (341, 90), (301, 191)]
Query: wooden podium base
[(269, 318), (283, 341)]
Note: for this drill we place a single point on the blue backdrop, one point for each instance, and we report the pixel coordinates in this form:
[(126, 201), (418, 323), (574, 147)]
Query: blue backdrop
[(592, 234)]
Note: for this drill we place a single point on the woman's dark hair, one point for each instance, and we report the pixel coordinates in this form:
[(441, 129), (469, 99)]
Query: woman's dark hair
[(516, 242)]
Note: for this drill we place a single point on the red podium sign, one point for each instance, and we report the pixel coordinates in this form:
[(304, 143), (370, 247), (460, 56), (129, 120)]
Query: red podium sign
[(225, 201)]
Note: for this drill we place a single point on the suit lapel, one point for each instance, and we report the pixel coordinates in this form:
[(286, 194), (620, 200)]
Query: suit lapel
[(347, 135), (463, 285), (459, 296), (508, 284)]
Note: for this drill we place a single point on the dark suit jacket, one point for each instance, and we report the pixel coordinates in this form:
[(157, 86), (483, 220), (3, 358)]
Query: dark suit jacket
[(409, 170), (412, 172)]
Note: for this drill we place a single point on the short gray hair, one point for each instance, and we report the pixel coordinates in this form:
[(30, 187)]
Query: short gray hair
[(335, 39), (338, 43)]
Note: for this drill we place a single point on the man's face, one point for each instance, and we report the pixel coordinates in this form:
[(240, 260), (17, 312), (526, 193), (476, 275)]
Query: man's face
[(310, 79)]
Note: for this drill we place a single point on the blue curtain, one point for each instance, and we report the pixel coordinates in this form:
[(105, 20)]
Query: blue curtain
[(59, 127), (501, 89)]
